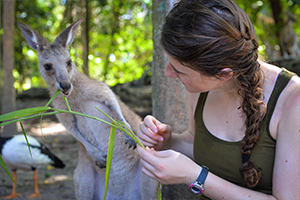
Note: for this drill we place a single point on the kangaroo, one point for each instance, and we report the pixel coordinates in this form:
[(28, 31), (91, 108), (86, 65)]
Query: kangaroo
[(56, 67)]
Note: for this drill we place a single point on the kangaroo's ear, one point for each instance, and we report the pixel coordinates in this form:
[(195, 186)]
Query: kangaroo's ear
[(67, 36), (33, 38)]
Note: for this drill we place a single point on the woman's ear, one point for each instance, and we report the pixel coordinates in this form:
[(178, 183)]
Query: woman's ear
[(225, 74)]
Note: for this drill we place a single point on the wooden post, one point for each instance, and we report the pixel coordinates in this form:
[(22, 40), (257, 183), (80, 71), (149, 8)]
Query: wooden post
[(9, 94)]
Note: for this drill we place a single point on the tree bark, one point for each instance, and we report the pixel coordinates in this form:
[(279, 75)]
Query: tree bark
[(1, 67), (9, 94), (168, 94), (276, 7), (85, 35)]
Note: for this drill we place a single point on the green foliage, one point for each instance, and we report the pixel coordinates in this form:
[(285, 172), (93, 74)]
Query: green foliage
[(260, 13), (125, 45), (120, 38), (120, 35)]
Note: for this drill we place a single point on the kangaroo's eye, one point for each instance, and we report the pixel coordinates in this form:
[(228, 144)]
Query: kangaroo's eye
[(69, 63), (48, 66)]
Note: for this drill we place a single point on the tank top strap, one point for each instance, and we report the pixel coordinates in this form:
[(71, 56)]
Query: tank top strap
[(200, 105), (281, 82)]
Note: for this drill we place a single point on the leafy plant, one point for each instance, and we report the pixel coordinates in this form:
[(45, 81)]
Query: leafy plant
[(21, 115)]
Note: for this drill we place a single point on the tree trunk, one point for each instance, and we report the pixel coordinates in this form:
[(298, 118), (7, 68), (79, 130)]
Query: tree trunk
[(168, 94), (85, 35), (9, 94), (115, 28), (1, 68), (276, 7)]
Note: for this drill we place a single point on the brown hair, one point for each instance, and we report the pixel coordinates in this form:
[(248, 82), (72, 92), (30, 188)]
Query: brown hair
[(209, 35)]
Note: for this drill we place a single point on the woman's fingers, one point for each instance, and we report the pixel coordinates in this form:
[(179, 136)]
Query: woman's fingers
[(151, 123), (153, 133), (149, 161), (147, 135), (151, 158), (168, 167)]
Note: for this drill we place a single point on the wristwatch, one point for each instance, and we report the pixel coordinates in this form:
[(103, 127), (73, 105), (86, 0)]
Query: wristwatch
[(197, 186)]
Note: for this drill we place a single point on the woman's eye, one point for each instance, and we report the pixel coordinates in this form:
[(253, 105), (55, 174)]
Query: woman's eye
[(48, 66), (69, 63)]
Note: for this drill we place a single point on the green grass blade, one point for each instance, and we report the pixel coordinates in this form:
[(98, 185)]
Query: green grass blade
[(84, 115), (134, 137), (106, 115), (30, 117), (159, 194), (126, 130), (5, 169), (21, 124), (56, 93), (111, 144), (67, 103), (23, 113), (121, 125)]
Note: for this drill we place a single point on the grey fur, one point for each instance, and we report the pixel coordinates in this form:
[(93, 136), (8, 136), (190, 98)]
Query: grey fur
[(126, 179)]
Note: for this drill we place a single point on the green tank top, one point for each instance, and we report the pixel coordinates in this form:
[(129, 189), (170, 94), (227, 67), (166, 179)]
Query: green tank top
[(225, 158)]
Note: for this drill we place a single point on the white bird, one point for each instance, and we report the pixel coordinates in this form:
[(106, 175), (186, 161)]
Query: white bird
[(15, 154)]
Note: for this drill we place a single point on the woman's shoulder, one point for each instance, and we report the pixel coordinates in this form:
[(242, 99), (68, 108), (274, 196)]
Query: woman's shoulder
[(271, 74), (291, 93), (290, 101), (287, 108)]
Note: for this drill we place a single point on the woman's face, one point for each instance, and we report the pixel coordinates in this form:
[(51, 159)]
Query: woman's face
[(193, 81)]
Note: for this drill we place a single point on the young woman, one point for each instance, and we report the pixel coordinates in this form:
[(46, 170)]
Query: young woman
[(243, 140)]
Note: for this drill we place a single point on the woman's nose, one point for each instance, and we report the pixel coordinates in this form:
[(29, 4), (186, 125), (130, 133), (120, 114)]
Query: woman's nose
[(170, 72)]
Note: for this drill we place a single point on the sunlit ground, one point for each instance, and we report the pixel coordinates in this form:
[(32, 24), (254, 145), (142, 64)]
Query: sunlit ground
[(57, 178), (52, 128), (48, 128)]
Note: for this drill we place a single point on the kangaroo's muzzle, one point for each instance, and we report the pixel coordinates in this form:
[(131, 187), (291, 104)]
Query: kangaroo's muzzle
[(65, 87)]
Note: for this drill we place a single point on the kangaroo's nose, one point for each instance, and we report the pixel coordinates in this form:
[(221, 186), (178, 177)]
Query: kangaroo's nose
[(65, 86)]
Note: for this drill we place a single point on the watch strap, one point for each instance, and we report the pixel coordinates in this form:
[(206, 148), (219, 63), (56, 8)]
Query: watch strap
[(203, 174), (197, 186)]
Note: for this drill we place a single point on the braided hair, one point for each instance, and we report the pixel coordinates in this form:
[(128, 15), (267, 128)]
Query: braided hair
[(209, 35)]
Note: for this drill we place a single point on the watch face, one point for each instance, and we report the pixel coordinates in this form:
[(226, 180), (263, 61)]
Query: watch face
[(196, 188)]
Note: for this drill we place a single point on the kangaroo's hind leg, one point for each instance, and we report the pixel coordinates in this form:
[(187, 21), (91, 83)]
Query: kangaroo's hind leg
[(86, 177)]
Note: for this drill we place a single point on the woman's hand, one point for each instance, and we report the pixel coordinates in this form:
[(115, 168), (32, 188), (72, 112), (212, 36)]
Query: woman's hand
[(153, 133), (168, 167)]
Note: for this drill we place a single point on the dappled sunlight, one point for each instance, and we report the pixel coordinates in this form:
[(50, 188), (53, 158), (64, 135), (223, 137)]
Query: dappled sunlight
[(48, 128), (57, 178), (52, 128)]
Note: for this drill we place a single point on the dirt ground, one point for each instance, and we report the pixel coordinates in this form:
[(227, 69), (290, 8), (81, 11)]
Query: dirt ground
[(54, 184)]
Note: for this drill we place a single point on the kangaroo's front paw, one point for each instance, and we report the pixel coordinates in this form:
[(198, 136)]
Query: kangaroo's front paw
[(102, 162), (130, 141)]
